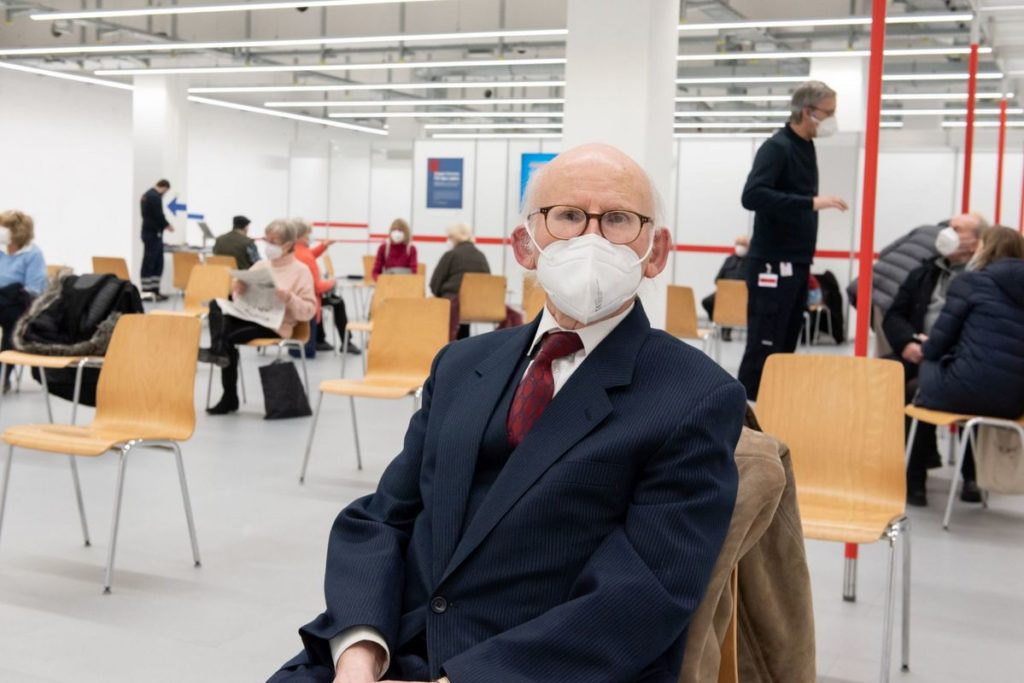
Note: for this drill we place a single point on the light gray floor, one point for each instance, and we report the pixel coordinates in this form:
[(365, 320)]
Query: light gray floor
[(263, 541)]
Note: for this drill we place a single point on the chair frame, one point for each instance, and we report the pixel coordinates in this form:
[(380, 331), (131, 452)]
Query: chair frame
[(716, 327)]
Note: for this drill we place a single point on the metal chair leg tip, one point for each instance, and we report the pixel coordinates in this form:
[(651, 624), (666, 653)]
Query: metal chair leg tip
[(106, 590), (302, 480), (849, 598), (198, 564), (905, 668), (88, 544)]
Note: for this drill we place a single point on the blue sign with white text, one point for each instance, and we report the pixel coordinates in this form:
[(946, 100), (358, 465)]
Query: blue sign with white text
[(444, 183), (530, 163)]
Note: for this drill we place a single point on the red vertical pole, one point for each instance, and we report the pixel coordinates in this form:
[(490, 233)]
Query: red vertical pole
[(867, 225), (1001, 157), (972, 91)]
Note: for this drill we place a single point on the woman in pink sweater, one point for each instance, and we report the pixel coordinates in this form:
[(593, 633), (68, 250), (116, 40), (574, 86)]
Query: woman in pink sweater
[(294, 287)]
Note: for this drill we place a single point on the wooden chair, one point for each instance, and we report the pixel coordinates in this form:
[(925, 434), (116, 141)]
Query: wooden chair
[(964, 429), (300, 335), (327, 311), (408, 333), (730, 311), (842, 418), (681, 315), (114, 265), (388, 286), (482, 298), (184, 262), (52, 270), (533, 302), (329, 266), (368, 261), (205, 283), (139, 403), (360, 290), (226, 261)]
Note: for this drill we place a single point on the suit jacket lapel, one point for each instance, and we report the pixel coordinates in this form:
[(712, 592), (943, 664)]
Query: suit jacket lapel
[(460, 438), (576, 410)]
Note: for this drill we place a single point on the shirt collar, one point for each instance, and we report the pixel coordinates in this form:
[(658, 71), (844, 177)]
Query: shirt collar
[(591, 335)]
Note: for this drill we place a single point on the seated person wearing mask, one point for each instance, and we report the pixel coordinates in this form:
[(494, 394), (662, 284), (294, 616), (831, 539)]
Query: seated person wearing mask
[(734, 268), (974, 356), (237, 243), (396, 255), (294, 287), (907, 324), (22, 275), (462, 258), (565, 488)]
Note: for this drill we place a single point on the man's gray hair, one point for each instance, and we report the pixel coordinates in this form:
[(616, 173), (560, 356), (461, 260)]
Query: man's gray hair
[(283, 230), (808, 94)]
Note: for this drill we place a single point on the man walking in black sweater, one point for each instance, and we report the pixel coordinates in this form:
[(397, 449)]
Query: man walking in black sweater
[(782, 191), (154, 222)]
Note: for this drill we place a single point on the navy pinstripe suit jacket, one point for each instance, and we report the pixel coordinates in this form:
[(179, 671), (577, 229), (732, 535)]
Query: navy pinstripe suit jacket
[(591, 550)]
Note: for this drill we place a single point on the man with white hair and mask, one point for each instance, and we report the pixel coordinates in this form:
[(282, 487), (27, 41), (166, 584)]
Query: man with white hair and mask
[(563, 492)]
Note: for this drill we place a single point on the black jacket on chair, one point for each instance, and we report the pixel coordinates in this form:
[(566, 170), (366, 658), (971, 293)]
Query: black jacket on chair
[(974, 356)]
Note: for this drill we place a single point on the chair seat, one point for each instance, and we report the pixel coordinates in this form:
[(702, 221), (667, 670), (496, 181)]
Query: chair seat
[(68, 439), (187, 312), (830, 517), (34, 360), (359, 326), (381, 386), (938, 418), (264, 341)]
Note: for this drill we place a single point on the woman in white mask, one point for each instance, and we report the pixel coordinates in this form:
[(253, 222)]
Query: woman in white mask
[(591, 247), (397, 254)]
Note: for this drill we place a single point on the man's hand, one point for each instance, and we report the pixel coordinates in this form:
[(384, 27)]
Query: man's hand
[(912, 353), (360, 663), (283, 294), (169, 227), (824, 202)]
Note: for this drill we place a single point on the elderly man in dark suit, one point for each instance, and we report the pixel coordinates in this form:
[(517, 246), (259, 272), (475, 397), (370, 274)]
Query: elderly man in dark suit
[(564, 490)]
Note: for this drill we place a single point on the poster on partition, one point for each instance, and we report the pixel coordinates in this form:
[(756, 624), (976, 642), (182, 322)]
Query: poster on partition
[(444, 183), (531, 162)]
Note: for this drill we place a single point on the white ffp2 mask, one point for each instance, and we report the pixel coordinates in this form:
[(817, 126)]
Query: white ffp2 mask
[(397, 236), (274, 251), (827, 127), (588, 278), (947, 242)]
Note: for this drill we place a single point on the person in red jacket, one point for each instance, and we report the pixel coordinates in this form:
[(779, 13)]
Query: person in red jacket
[(324, 287), (396, 255)]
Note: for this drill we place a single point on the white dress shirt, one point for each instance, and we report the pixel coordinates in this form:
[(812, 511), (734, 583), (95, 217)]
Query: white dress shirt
[(561, 370)]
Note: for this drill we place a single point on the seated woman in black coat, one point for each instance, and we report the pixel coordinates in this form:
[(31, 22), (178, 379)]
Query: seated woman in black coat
[(974, 357)]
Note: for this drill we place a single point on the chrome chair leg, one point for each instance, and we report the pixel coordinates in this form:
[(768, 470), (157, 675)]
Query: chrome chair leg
[(850, 579), (209, 385), (905, 640), (18, 373), (344, 352), (3, 380), (241, 381), (118, 495), (46, 394), (187, 502), (890, 605), (910, 440), (78, 497), (7, 481), (961, 452), (355, 432), (309, 440)]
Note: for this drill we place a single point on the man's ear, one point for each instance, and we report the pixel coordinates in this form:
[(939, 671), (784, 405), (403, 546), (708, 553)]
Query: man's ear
[(658, 259), (522, 246)]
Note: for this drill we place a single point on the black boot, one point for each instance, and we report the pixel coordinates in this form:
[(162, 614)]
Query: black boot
[(228, 404), (970, 493), (917, 493)]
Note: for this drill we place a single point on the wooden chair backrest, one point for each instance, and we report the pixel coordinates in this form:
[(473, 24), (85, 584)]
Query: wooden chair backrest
[(329, 266), (301, 331), (421, 270), (368, 262), (52, 270), (842, 418), (148, 380), (184, 262), (681, 312), (482, 298), (115, 265), (730, 303), (220, 260), (206, 283), (407, 334), (529, 285), (533, 305), (405, 286)]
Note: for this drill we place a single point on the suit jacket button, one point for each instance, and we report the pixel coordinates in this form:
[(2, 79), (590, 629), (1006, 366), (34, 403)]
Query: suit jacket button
[(438, 605)]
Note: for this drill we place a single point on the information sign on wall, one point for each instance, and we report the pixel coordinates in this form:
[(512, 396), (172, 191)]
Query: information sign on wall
[(444, 183), (530, 163)]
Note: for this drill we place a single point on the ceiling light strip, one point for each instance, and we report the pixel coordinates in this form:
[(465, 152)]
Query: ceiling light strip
[(454, 85), (770, 80), (494, 136), (65, 76), (408, 103), (825, 54), (947, 112), (446, 114), (209, 9), (491, 126), (387, 66), (286, 115), (915, 18)]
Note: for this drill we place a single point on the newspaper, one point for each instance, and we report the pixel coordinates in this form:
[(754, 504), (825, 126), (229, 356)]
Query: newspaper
[(259, 303)]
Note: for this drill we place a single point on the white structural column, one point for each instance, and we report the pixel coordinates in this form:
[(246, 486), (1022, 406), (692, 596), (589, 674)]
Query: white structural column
[(620, 90), (159, 150)]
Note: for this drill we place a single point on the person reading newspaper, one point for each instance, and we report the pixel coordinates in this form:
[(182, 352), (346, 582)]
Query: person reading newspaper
[(267, 301)]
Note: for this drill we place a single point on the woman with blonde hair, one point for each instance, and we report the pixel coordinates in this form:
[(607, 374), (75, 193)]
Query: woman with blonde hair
[(22, 274), (397, 254)]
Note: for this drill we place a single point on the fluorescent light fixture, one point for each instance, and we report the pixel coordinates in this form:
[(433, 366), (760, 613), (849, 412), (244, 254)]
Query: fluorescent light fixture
[(897, 97), (982, 124), (946, 112), (729, 80), (286, 115), (447, 115), (715, 113), (299, 42), (735, 98), (386, 66), (949, 17), (209, 9), (985, 76), (1002, 8), (494, 136), (64, 75), (822, 54), (733, 124), (718, 136), (408, 103), (491, 126), (454, 85)]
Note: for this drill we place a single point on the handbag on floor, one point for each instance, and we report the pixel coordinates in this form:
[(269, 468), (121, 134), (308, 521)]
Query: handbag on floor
[(1000, 460), (283, 393)]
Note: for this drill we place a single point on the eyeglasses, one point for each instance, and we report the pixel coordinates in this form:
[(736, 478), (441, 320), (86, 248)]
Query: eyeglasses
[(618, 226), (826, 112)]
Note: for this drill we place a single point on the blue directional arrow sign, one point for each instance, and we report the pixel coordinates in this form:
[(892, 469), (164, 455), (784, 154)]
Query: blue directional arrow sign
[(175, 206)]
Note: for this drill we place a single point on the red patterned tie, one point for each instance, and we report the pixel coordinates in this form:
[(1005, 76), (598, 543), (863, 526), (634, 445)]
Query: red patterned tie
[(538, 385)]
